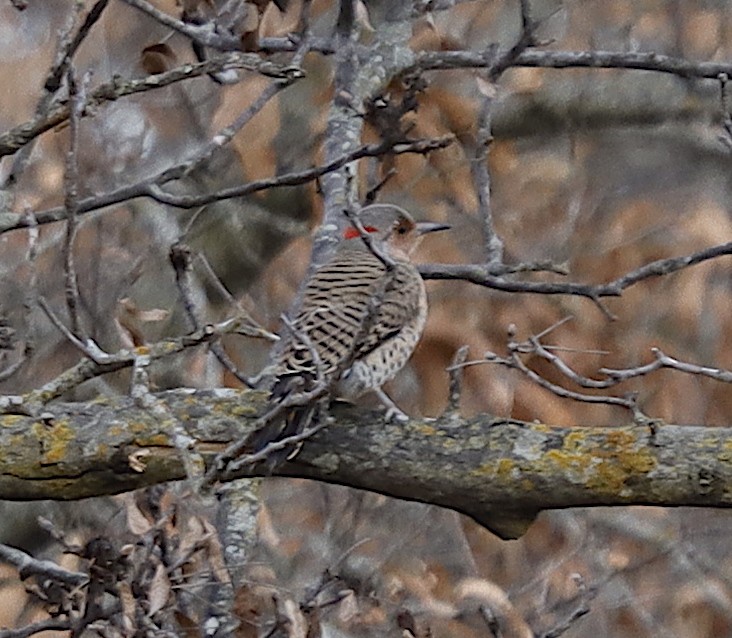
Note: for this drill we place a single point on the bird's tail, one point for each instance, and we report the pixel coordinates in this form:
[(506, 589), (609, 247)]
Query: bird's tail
[(294, 420)]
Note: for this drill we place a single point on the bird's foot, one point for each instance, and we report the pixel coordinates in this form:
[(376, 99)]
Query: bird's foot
[(393, 413), (396, 415)]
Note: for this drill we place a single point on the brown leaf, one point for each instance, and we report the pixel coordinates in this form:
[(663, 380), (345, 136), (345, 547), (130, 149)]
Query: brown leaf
[(158, 58), (136, 460), (136, 520), (159, 590)]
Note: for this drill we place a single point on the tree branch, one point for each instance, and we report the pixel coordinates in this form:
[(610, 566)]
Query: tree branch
[(17, 137), (482, 275), (151, 187), (642, 61), (499, 472)]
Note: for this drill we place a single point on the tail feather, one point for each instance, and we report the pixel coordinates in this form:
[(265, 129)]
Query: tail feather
[(294, 421)]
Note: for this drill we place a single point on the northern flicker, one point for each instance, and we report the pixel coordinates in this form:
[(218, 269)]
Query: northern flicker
[(339, 336)]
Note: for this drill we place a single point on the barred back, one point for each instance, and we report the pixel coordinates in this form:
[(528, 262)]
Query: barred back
[(335, 306)]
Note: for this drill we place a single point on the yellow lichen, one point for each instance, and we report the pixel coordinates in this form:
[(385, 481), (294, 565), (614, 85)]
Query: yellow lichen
[(54, 438)]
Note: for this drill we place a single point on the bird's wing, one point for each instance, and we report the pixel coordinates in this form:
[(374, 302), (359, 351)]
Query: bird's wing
[(335, 306)]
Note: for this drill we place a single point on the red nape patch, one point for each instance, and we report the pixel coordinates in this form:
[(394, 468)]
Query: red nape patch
[(352, 233)]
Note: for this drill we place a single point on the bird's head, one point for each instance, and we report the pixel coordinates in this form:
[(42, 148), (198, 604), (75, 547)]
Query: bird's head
[(393, 227)]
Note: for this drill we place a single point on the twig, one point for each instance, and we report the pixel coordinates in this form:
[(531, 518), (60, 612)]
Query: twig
[(225, 461), (455, 370), (17, 137), (17, 365), (50, 624), (482, 181), (479, 165), (204, 35), (374, 190), (89, 369), (180, 258), (726, 136), (527, 39), (515, 362), (642, 61), (420, 147), (306, 36), (225, 135), (70, 45), (87, 347), (250, 459), (62, 59), (148, 188), (29, 566), (480, 274), (77, 95), (420, 7), (242, 313), (664, 361)]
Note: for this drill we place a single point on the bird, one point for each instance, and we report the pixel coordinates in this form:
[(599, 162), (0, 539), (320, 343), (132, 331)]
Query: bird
[(360, 318)]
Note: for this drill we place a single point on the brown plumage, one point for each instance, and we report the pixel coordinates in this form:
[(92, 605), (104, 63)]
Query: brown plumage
[(359, 346)]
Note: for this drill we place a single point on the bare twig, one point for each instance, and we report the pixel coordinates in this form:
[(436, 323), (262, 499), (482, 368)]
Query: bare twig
[(204, 35), (149, 187), (456, 380), (482, 181), (480, 274), (664, 361), (295, 179), (225, 462), (77, 95), (242, 313), (181, 259), (87, 347), (250, 459), (515, 362), (374, 190), (643, 61), (421, 7), (29, 566), (17, 137), (726, 136), (51, 624), (32, 402), (70, 45), (225, 135), (479, 165), (17, 365)]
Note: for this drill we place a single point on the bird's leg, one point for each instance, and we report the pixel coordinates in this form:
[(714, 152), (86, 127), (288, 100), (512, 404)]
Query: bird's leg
[(393, 413)]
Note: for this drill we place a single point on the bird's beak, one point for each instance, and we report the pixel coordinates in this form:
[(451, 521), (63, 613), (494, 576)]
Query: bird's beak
[(430, 227)]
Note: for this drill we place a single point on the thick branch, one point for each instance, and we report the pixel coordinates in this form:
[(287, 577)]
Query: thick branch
[(499, 472)]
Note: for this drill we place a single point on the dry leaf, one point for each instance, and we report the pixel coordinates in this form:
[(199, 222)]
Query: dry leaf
[(136, 520), (158, 58), (159, 590), (136, 460)]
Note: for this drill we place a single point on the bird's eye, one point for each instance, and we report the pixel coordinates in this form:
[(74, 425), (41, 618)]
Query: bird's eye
[(402, 230)]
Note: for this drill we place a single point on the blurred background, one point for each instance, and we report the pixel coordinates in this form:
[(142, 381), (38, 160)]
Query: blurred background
[(602, 170)]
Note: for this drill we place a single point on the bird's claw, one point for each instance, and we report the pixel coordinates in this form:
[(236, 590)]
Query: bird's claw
[(395, 415)]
